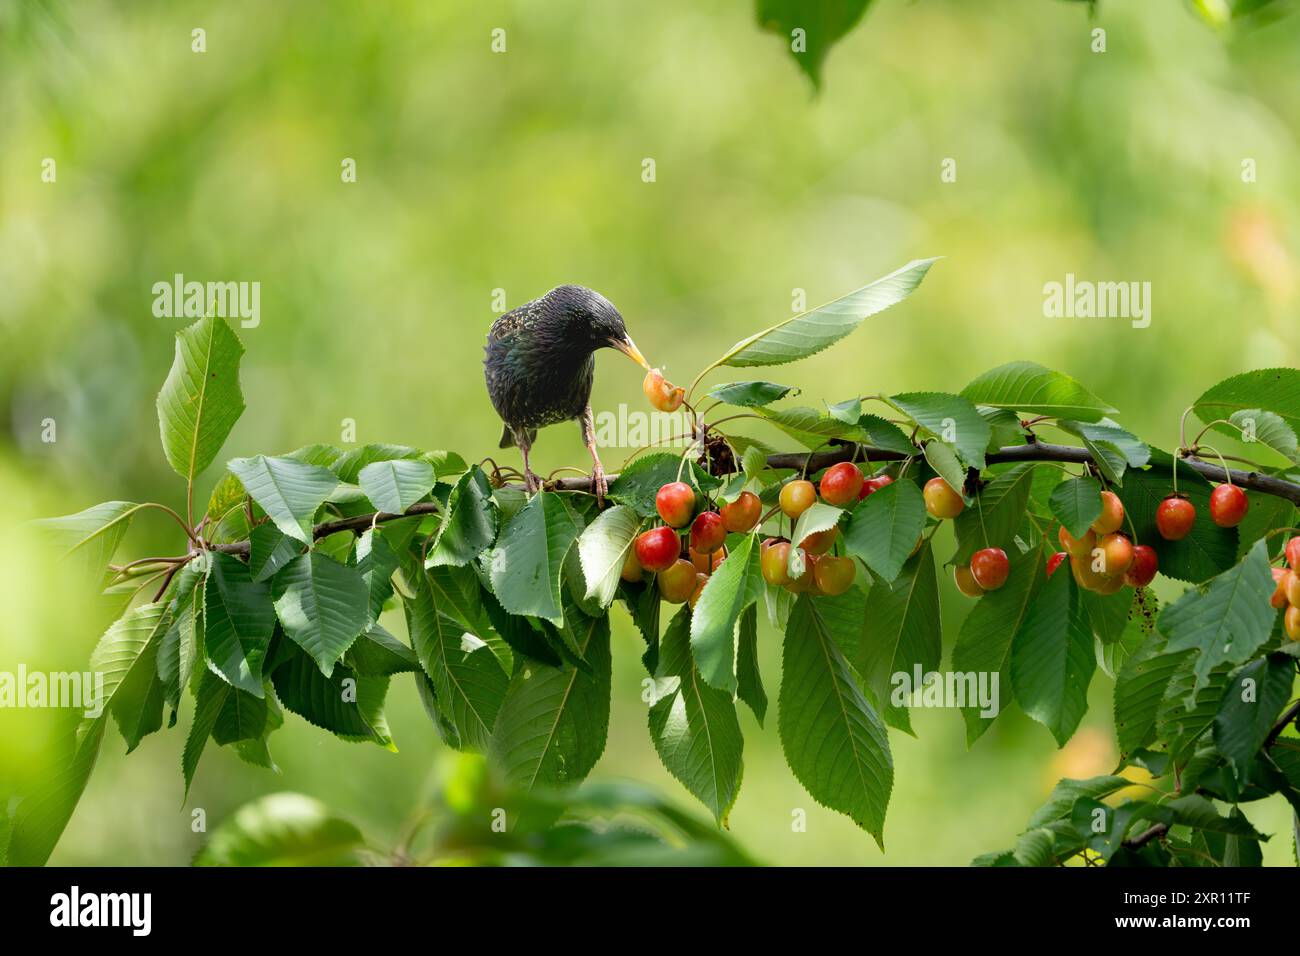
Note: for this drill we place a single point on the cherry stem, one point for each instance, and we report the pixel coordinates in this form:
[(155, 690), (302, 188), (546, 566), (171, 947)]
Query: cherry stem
[(1226, 473)]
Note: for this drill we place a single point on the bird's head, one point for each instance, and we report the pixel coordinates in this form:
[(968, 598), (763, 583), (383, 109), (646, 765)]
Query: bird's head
[(588, 319)]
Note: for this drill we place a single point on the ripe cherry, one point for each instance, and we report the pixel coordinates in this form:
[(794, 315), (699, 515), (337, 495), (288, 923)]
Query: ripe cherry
[(632, 570), (1055, 560), (1111, 518), (706, 563), (1280, 580), (708, 532), (819, 542), (966, 582), (773, 561), (677, 582), (1084, 575), (1174, 518), (1110, 585), (941, 500), (700, 581), (1228, 505), (1117, 554), (841, 484), (1078, 547), (740, 516), (1293, 589), (797, 497), (1143, 569), (874, 484), (1291, 622), (675, 503), (663, 394), (1293, 553), (990, 567), (834, 575), (657, 549), (805, 583)]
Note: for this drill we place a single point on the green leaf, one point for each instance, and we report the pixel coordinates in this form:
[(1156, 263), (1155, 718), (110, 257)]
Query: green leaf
[(951, 419), (1139, 689), (823, 24), (1275, 390), (376, 562), (885, 527), (554, 721), (393, 486), (902, 631), (470, 524), (289, 491), (1228, 619), (714, 627), (270, 549), (1266, 428), (345, 703), (526, 563), (603, 547), (806, 334), (994, 516), (820, 517), (1206, 551), (238, 621), (984, 643), (814, 428), (467, 678), (283, 829), (834, 741), (749, 682), (209, 701), (350, 465), (1196, 811), (200, 401), (940, 456), (1069, 791), (43, 814), (1113, 448), (638, 483), (1076, 503), (1031, 388), (1254, 697), (1052, 659), (322, 605), (376, 653), (90, 538), (751, 394), (694, 726), (242, 718)]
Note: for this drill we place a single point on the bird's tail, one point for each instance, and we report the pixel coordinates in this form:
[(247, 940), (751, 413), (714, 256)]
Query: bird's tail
[(508, 436)]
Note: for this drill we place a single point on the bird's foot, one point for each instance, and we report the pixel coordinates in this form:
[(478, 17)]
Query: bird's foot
[(599, 486), (531, 482)]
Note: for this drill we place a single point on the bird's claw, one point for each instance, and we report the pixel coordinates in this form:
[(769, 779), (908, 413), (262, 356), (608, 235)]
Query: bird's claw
[(599, 486)]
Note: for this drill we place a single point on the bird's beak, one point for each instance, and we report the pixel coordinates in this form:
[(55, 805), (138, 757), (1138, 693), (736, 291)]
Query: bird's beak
[(628, 348)]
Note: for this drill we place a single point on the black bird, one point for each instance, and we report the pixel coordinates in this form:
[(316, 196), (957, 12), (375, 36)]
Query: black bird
[(541, 362)]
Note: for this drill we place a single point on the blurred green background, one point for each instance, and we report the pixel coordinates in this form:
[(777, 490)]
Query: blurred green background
[(521, 170)]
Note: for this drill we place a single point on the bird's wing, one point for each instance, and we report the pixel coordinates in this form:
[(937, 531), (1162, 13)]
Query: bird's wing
[(511, 322)]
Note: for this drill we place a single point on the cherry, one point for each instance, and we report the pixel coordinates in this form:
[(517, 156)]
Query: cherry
[(706, 563), (740, 516), (1078, 547), (1292, 622), (677, 582), (1111, 518), (819, 542), (774, 560), (797, 497), (1293, 554), (990, 567), (966, 582), (940, 499), (663, 394), (1109, 586), (841, 484), (657, 549), (1143, 569), (632, 570), (874, 484), (834, 575), (1174, 518), (1280, 579), (1055, 560), (1228, 505), (1293, 589), (1084, 575), (708, 532), (1117, 554), (805, 583), (700, 581), (675, 503)]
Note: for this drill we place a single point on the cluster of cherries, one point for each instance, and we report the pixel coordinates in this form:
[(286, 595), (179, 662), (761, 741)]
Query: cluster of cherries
[(1103, 558), (989, 567), (1287, 593)]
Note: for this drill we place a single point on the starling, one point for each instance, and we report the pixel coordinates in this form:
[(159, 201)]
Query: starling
[(541, 362)]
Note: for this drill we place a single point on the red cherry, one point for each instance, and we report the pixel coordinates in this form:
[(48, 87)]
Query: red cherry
[(657, 549), (1175, 517), (708, 532), (741, 515), (819, 542), (990, 567), (1293, 554), (675, 503), (1055, 560), (1144, 566), (677, 582), (872, 485), (1282, 580), (841, 484), (1228, 505)]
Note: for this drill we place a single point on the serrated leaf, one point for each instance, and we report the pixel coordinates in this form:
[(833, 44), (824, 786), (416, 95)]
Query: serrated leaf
[(1254, 696), (885, 527), (322, 606), (90, 538), (470, 524), (270, 549), (1266, 428), (952, 420), (350, 465), (289, 491), (393, 486), (1052, 660), (1139, 689), (751, 394), (749, 683), (714, 626), (200, 401), (345, 703), (376, 653), (603, 547), (820, 517), (694, 727), (282, 829), (126, 657), (238, 621), (1275, 390), (526, 563), (823, 24), (834, 741), (941, 457), (1032, 388), (1076, 503)]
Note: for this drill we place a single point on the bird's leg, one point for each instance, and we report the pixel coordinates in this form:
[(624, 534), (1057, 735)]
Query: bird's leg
[(599, 486), (531, 481)]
